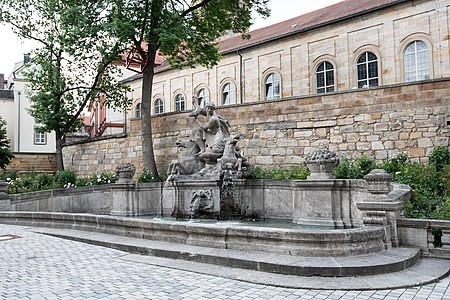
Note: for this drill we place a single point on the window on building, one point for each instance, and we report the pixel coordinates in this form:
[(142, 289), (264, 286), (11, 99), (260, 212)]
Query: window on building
[(202, 97), (138, 110), (416, 61), (272, 86), (39, 138), (367, 66), (325, 77), (180, 102), (159, 106), (228, 94)]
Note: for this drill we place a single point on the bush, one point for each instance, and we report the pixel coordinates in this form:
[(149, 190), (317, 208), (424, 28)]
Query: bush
[(294, 173), (356, 169), (146, 176), (98, 179), (439, 157), (65, 178)]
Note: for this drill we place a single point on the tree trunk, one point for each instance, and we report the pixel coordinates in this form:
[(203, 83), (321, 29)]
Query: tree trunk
[(148, 155), (59, 156)]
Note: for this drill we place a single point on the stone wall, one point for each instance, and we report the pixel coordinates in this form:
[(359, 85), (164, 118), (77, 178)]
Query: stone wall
[(37, 162), (379, 122)]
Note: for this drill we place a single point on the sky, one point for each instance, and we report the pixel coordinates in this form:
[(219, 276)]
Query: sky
[(13, 47)]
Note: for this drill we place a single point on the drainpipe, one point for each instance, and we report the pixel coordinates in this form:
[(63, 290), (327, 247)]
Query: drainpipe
[(18, 121), (241, 75)]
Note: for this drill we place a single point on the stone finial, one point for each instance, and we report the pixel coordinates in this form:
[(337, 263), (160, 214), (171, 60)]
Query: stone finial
[(125, 172), (321, 163), (2, 189), (378, 181)]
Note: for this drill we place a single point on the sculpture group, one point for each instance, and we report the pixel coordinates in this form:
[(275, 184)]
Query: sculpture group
[(210, 152)]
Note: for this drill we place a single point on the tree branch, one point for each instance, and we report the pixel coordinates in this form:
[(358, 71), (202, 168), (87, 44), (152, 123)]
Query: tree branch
[(195, 7)]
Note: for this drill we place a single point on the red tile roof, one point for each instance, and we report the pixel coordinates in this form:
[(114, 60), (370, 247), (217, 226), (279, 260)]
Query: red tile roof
[(325, 16)]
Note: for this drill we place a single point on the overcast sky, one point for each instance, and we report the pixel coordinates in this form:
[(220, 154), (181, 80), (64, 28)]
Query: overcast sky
[(13, 48)]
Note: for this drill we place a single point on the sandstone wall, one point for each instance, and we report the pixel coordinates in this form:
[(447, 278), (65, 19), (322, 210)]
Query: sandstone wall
[(38, 162), (380, 122)]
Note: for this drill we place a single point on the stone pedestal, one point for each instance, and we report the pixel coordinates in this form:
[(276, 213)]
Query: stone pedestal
[(382, 207), (322, 203), (124, 202), (198, 194), (5, 201)]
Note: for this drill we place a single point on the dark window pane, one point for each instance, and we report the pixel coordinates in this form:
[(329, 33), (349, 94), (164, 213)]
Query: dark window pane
[(330, 89), (320, 67), (362, 58), (320, 80), (373, 69), (330, 77), (362, 72), (373, 82), (328, 66), (371, 56)]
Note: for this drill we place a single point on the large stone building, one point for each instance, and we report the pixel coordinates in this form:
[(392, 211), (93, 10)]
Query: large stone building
[(365, 77)]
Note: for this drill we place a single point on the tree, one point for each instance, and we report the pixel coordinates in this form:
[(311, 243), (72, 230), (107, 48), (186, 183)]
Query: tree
[(187, 32), (5, 152), (73, 67)]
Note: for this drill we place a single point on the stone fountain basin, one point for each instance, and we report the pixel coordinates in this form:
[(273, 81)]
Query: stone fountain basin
[(300, 242)]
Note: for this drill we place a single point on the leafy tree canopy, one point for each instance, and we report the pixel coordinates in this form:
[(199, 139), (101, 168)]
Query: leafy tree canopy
[(74, 65), (5, 152)]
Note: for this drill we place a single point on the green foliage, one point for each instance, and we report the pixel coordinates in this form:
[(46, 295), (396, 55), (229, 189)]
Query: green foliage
[(395, 164), (354, 169), (102, 178), (32, 181), (146, 176), (294, 173), (65, 178), (440, 156), (5, 152), (73, 65)]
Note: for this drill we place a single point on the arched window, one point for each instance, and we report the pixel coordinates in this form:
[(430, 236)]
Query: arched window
[(138, 110), (416, 61), (272, 85), (202, 97), (159, 106), (180, 102), (367, 67), (228, 94), (325, 77)]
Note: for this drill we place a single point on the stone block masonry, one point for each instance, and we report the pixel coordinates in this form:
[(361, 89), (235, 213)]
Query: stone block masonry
[(379, 122)]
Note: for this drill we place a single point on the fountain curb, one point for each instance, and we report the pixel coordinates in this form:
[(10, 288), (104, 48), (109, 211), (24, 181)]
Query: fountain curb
[(395, 263), (424, 272), (184, 242)]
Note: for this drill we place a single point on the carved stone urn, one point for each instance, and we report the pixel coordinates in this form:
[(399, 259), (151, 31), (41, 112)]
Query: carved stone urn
[(125, 172), (378, 181), (321, 163)]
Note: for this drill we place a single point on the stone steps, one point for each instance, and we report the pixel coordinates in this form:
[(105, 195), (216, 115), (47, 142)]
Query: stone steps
[(384, 262)]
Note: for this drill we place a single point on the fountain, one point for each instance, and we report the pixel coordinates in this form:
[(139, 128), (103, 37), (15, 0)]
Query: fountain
[(209, 180), (203, 182)]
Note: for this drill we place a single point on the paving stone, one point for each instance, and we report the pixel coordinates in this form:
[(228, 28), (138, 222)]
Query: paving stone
[(43, 267)]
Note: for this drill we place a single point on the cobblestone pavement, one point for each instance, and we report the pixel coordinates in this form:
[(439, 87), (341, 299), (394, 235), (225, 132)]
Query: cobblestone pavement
[(35, 266)]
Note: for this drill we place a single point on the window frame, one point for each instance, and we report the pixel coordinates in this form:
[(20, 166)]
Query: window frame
[(180, 100), (231, 92), (202, 100), (415, 70), (325, 72), (42, 136), (272, 84), (159, 108), (366, 63), (138, 110)]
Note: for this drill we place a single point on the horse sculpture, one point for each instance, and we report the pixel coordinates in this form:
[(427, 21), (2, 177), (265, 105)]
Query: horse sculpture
[(188, 163)]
